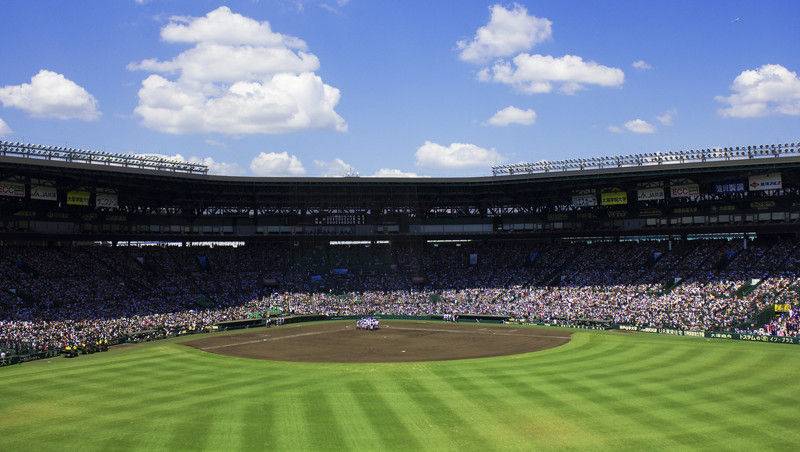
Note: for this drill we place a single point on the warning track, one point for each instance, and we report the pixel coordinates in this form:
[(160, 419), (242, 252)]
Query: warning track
[(395, 341)]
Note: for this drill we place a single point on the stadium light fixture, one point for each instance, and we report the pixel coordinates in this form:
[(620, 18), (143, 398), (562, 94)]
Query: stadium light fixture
[(95, 157), (656, 158)]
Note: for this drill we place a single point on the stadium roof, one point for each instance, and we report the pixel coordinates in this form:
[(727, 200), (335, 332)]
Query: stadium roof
[(765, 157)]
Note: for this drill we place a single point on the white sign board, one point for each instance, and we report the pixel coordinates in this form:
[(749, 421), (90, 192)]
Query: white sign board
[(684, 191), (584, 200), (650, 194), (14, 189), (771, 181), (44, 192)]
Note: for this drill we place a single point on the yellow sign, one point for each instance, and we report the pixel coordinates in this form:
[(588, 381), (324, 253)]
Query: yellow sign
[(782, 307), (78, 198), (613, 198)]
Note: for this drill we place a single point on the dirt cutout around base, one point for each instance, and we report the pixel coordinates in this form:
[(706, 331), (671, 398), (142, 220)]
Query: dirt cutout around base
[(395, 341)]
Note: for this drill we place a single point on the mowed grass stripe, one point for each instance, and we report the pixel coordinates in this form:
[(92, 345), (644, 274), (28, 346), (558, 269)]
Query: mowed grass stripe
[(380, 413), (501, 418), (324, 426), (601, 390), (436, 425), (444, 412)]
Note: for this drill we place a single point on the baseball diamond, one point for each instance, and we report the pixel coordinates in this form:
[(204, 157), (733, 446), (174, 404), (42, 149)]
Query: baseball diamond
[(418, 225), (396, 341)]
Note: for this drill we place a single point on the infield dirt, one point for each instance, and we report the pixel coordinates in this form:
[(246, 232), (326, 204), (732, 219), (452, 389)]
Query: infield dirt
[(395, 341)]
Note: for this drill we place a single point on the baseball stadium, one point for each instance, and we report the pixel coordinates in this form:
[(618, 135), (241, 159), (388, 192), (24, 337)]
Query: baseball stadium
[(334, 225), (625, 302)]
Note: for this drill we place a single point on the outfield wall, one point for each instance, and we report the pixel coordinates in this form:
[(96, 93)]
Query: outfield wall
[(678, 332), (713, 335), (145, 336)]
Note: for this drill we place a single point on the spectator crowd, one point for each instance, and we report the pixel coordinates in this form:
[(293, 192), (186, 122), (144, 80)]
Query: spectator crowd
[(57, 297)]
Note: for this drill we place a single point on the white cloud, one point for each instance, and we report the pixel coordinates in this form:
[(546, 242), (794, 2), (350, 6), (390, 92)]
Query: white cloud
[(239, 78), (456, 156), (334, 7), (640, 126), (509, 31), (215, 143), (51, 95), (276, 164), (512, 115), (214, 167), (336, 167), (211, 62), (642, 65), (222, 26), (4, 129), (614, 129), (538, 73), (221, 168), (769, 89), (390, 172), (667, 117)]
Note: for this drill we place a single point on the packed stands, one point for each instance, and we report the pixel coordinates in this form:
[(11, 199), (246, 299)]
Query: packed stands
[(52, 298)]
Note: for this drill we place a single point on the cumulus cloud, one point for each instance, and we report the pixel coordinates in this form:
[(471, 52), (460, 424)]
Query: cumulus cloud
[(512, 115), (221, 168), (4, 129), (642, 65), (276, 164), (513, 32), (215, 143), (51, 95), (509, 31), (239, 78), (390, 172), (202, 63), (770, 89), (615, 129), (214, 167), (640, 126), (222, 26), (667, 117), (539, 73), (336, 167), (456, 156)]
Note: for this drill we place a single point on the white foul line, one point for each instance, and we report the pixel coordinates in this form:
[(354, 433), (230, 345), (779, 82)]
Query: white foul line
[(270, 339)]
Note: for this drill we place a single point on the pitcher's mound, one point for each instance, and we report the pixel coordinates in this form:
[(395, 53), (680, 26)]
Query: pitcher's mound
[(395, 341)]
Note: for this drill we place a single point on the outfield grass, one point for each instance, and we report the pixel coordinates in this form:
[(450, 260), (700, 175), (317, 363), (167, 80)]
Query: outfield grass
[(601, 391)]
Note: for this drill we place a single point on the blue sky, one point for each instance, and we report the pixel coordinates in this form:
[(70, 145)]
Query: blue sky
[(434, 88)]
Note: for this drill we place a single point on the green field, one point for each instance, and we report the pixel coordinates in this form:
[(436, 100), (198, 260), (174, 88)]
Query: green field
[(602, 390)]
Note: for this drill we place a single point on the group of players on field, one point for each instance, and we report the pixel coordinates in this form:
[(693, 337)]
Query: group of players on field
[(367, 323)]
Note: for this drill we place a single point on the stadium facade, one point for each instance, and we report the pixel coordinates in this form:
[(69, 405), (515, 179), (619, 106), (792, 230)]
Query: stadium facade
[(57, 194)]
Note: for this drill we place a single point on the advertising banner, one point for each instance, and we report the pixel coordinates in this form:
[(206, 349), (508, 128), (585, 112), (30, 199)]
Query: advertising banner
[(78, 198), (44, 193), (684, 191), (14, 189), (771, 181), (714, 335), (650, 194), (613, 197), (730, 186), (584, 200), (107, 200)]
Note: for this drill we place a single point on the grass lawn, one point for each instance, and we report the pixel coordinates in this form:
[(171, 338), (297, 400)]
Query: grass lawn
[(603, 390)]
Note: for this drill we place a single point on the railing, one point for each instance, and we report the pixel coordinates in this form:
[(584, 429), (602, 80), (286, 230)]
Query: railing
[(35, 151), (657, 158)]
